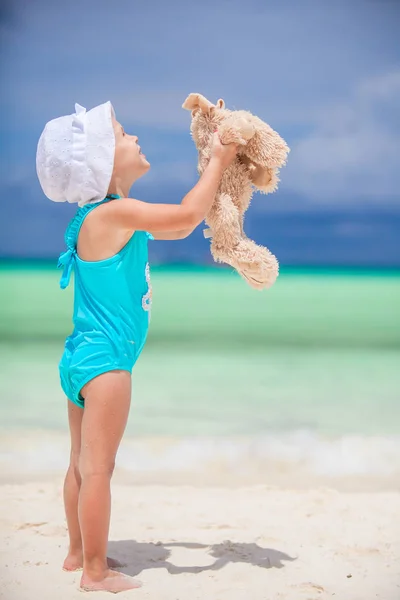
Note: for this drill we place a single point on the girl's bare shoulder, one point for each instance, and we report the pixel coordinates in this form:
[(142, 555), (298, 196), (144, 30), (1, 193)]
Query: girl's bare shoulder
[(100, 236)]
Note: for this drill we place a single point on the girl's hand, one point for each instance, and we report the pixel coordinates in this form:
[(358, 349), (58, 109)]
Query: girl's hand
[(224, 153)]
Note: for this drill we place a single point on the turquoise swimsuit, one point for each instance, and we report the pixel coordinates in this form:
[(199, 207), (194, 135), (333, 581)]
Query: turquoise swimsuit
[(111, 308)]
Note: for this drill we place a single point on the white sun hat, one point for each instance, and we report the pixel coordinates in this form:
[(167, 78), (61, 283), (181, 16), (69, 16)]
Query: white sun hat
[(75, 155)]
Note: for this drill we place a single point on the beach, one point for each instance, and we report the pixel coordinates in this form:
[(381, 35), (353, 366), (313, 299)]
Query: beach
[(261, 460), (186, 542)]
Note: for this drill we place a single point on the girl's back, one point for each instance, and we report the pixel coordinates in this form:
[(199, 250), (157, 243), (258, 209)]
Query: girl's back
[(112, 300)]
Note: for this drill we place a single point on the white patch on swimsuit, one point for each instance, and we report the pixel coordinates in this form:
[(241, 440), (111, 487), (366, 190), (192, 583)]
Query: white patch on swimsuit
[(146, 299)]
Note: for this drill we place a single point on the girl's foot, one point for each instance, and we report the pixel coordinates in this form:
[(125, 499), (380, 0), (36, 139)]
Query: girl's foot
[(112, 582), (74, 562)]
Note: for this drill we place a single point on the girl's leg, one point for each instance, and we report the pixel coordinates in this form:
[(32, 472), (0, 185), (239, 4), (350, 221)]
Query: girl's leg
[(72, 486), (107, 402)]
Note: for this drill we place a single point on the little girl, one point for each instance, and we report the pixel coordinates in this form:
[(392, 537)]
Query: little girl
[(89, 159)]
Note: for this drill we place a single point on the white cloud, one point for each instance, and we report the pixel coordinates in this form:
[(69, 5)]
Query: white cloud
[(354, 146)]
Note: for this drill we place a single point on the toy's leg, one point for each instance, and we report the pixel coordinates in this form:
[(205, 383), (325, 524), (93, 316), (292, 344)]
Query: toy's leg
[(224, 221), (256, 264)]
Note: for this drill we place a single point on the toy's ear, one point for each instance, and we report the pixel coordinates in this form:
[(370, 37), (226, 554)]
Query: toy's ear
[(220, 103), (196, 102)]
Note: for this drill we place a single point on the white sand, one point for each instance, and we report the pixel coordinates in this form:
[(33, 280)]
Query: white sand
[(187, 543)]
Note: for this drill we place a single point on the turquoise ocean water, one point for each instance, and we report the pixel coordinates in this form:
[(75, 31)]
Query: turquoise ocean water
[(300, 381)]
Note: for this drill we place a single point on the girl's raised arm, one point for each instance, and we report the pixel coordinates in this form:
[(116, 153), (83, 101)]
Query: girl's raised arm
[(132, 214)]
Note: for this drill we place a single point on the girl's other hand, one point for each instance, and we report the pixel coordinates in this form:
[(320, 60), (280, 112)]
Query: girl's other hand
[(224, 153)]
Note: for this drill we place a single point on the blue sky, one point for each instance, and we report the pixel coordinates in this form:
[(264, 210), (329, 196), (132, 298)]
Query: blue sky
[(326, 75)]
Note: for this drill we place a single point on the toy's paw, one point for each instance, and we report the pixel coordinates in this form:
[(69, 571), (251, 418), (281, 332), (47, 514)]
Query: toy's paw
[(259, 280), (256, 264), (238, 131), (265, 180), (245, 128)]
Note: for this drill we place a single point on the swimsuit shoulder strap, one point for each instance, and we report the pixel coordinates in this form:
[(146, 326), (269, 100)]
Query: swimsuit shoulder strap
[(66, 258)]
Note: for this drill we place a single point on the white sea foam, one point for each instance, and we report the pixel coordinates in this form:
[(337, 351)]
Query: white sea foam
[(271, 458)]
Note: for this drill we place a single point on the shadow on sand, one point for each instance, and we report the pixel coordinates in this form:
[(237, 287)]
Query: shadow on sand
[(138, 556)]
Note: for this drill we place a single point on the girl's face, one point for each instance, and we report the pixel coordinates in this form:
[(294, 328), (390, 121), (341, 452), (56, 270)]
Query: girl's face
[(129, 161)]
